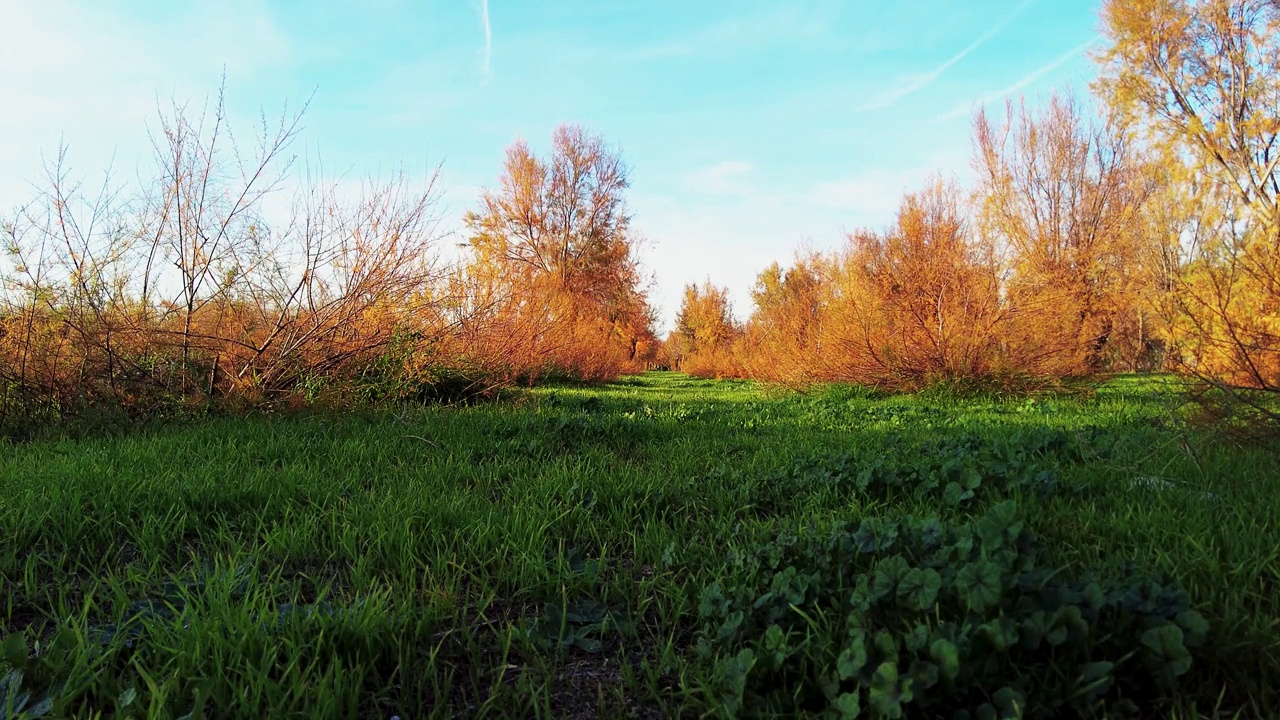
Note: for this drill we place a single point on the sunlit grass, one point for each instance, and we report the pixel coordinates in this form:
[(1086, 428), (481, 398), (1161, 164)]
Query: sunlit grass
[(543, 556)]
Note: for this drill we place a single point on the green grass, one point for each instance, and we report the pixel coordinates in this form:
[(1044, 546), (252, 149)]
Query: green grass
[(546, 556)]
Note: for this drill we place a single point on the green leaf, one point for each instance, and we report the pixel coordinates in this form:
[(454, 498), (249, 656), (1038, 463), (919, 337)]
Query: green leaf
[(886, 644), (15, 650), (1057, 633), (775, 638), (586, 612), (1072, 621), (1034, 628), (862, 598), (1166, 650), (733, 676), (990, 531), (126, 698), (730, 626), (947, 655), (713, 602), (853, 658), (980, 585), (924, 674), (1001, 632), (1093, 596), (953, 494), (1095, 670), (1010, 703), (999, 523), (917, 638), (1005, 513), (1195, 627), (885, 696), (919, 589), (848, 705), (1095, 680), (888, 573)]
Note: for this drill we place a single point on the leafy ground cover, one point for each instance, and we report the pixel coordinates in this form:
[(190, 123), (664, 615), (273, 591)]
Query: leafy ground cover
[(659, 546)]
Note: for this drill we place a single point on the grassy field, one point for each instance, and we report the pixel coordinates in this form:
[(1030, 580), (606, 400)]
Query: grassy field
[(658, 546)]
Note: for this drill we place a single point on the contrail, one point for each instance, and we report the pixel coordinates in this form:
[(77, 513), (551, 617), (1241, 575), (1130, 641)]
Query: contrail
[(488, 41), (927, 79), (1020, 84)]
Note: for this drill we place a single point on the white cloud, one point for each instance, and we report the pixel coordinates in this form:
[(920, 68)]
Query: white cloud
[(724, 178)]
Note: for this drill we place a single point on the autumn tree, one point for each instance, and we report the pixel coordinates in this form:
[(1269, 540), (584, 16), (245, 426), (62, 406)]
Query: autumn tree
[(188, 288), (706, 332), (916, 303), (1200, 81), (557, 236), (785, 324), (1064, 194)]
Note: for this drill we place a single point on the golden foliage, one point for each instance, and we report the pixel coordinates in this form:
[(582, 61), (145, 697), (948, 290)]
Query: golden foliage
[(1200, 81), (703, 342), (195, 290), (1064, 197), (556, 241)]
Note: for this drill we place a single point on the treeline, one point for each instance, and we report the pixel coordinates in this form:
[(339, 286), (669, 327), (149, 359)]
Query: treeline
[(1140, 231), (231, 276), (1136, 231)]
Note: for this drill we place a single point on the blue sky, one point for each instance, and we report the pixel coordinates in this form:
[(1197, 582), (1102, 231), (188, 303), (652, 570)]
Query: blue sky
[(752, 128)]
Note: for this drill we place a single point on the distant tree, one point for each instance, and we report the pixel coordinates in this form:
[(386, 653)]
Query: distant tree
[(557, 235), (785, 325), (706, 332)]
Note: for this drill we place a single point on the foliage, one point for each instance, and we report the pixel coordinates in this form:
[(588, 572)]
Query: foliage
[(187, 291), (1065, 195), (703, 342), (955, 471), (555, 241), (194, 292), (917, 304), (900, 616), (1201, 82)]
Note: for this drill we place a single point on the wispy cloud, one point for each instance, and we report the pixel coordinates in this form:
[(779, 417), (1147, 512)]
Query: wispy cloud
[(93, 78), (1022, 82), (486, 63), (724, 178), (915, 83)]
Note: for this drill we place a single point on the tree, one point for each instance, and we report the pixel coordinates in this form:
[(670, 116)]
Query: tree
[(1200, 79), (783, 329), (705, 332), (918, 302), (1063, 195), (557, 234)]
